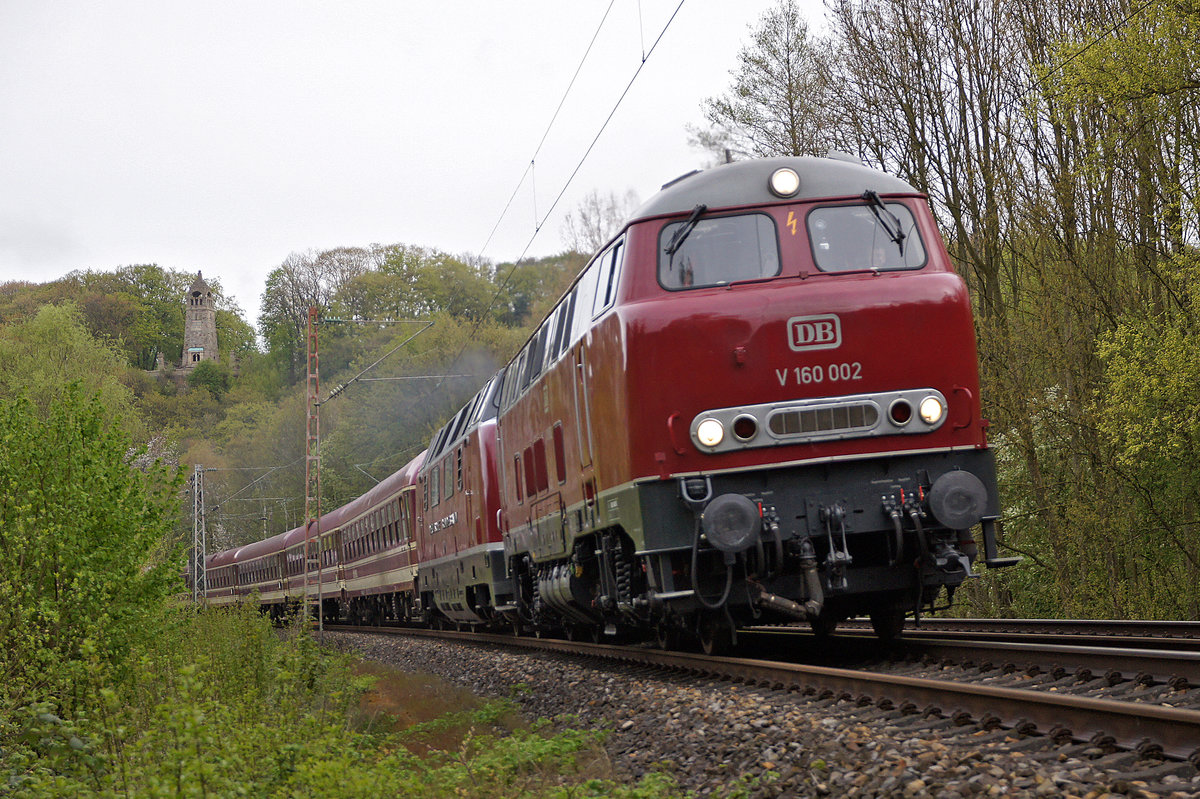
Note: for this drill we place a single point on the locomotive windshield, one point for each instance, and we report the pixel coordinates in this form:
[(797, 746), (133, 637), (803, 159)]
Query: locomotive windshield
[(856, 237), (717, 251)]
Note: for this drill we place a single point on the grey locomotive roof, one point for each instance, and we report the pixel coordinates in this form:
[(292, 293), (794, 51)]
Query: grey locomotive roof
[(745, 183)]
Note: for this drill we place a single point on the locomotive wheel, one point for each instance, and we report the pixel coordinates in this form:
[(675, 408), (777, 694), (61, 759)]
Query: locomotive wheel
[(824, 625), (716, 637), (667, 636), (888, 622)]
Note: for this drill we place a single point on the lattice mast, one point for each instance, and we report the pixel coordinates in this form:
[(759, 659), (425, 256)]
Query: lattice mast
[(199, 538), (312, 475)]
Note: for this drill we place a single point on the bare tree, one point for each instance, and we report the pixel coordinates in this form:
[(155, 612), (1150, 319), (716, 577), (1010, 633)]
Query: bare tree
[(777, 102), (596, 219)]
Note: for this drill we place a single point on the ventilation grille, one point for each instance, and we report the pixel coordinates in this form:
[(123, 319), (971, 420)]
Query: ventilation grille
[(824, 420)]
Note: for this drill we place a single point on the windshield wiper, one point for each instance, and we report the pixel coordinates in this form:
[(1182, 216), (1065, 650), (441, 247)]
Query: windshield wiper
[(682, 234), (891, 223)]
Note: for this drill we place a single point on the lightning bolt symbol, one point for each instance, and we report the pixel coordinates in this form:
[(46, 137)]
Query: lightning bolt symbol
[(791, 221)]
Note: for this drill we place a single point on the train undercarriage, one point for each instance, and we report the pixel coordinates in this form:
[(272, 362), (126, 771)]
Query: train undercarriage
[(713, 555)]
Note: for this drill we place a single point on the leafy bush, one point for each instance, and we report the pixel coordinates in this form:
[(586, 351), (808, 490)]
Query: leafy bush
[(85, 570), (223, 705), (211, 375)]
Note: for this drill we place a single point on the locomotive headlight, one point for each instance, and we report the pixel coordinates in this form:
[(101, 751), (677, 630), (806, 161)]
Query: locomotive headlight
[(784, 182), (931, 410), (710, 432)]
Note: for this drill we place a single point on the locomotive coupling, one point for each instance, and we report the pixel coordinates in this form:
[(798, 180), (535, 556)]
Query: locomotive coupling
[(812, 607)]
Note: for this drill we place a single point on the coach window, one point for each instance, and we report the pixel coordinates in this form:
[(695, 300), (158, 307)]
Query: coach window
[(717, 251), (848, 238)]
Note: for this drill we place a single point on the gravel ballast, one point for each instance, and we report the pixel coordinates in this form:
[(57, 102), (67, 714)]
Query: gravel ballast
[(710, 734)]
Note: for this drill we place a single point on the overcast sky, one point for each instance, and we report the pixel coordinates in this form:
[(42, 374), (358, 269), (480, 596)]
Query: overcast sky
[(223, 136)]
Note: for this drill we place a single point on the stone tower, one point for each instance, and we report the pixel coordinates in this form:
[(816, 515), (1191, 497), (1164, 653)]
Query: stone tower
[(199, 325)]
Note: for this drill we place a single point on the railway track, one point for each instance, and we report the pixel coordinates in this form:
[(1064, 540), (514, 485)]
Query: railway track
[(1066, 701), (1121, 659), (1109, 628)]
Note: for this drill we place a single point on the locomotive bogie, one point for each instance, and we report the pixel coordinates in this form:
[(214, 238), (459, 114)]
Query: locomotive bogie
[(470, 586)]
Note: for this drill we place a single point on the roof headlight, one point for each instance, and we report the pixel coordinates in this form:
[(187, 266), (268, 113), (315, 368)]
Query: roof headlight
[(710, 432), (784, 182), (931, 410)]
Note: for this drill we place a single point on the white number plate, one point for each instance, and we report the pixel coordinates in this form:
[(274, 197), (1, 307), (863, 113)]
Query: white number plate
[(811, 375)]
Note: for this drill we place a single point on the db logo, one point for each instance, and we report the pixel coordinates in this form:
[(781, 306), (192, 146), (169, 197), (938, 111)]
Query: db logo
[(822, 332)]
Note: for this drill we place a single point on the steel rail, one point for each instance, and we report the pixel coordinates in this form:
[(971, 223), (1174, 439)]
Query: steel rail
[(1112, 642), (1116, 658), (1098, 627), (1127, 725), (1140, 665)]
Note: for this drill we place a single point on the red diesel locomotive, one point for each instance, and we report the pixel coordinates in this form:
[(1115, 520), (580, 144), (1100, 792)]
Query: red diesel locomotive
[(759, 402)]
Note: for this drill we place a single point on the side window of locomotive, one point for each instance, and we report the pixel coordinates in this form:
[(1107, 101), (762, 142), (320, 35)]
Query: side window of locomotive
[(606, 283), (585, 293), (537, 353), (564, 324), (717, 251), (523, 368), (848, 238)]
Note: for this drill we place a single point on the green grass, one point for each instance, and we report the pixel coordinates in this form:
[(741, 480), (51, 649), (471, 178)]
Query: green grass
[(221, 704)]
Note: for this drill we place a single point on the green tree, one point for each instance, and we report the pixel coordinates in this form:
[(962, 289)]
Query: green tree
[(41, 355), (211, 375), (87, 567), (778, 102)]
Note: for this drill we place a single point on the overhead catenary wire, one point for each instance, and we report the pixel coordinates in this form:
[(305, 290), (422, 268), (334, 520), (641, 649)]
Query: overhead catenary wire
[(546, 133), (260, 478), (600, 132), (342, 387), (414, 377)]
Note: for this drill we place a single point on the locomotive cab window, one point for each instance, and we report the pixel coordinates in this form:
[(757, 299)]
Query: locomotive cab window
[(717, 251), (847, 238), (608, 276)]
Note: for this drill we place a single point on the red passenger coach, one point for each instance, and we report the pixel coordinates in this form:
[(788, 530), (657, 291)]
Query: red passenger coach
[(759, 401), (368, 566)]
